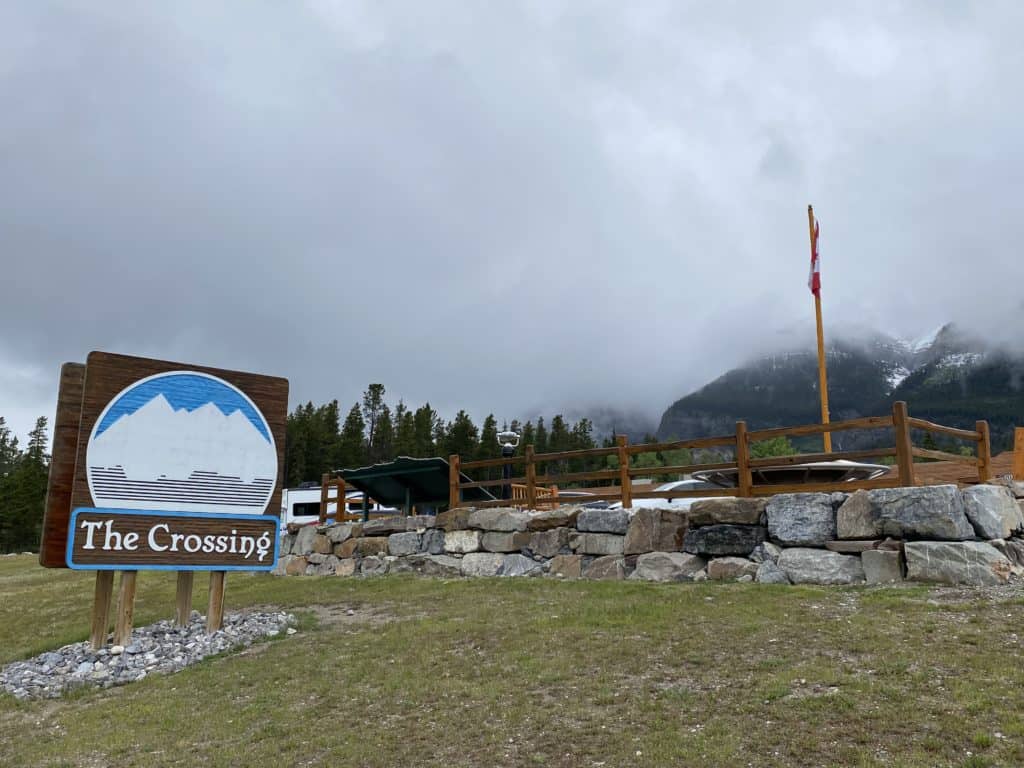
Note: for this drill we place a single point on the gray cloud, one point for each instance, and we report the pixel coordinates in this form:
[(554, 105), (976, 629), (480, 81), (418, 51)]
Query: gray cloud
[(505, 208)]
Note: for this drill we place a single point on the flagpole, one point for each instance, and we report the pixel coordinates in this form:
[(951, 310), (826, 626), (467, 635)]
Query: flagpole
[(822, 377)]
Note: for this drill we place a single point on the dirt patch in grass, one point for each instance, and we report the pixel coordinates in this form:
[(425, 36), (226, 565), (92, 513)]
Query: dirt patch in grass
[(354, 616)]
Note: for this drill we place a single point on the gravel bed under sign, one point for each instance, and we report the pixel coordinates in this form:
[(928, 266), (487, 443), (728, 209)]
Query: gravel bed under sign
[(161, 648)]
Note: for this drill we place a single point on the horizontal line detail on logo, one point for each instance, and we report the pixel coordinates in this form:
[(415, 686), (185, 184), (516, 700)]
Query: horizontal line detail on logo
[(196, 474), (101, 489), (219, 481), (97, 482), (187, 500)]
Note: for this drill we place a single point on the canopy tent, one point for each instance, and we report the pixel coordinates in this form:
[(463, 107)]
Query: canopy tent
[(407, 482)]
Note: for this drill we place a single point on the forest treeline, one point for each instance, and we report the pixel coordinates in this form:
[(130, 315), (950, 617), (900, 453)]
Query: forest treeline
[(320, 440), (23, 477)]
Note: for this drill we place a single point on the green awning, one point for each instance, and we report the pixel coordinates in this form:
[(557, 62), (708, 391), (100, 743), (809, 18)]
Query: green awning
[(409, 481)]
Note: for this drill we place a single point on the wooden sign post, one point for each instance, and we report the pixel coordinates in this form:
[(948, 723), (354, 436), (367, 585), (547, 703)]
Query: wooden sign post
[(163, 466)]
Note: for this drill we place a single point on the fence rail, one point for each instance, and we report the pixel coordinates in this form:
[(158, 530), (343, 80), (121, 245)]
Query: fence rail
[(531, 490)]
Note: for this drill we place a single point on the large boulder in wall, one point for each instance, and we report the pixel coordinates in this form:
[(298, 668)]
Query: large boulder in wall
[(667, 566), (655, 530), (820, 566), (499, 519), (603, 521), (719, 540), (801, 519), (956, 562), (728, 509), (930, 512), (992, 510)]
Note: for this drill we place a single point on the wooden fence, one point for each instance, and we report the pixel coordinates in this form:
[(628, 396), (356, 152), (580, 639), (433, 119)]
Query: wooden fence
[(903, 451)]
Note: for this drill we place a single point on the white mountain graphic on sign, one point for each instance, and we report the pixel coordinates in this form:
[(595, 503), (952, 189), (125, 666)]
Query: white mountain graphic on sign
[(162, 458)]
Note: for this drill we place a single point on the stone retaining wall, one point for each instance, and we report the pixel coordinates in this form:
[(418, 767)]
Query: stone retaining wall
[(931, 534)]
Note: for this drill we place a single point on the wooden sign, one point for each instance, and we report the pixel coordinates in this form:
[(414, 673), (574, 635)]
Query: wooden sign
[(165, 442), (116, 539), (57, 513)]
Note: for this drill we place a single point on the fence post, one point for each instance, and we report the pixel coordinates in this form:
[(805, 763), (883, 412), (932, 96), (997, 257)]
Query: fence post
[(984, 452), (531, 478), (744, 480), (625, 481), (453, 481), (342, 507), (1018, 453), (904, 448), (325, 480)]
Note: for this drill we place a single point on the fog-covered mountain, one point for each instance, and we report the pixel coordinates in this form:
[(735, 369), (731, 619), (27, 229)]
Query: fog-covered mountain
[(608, 421), (948, 376)]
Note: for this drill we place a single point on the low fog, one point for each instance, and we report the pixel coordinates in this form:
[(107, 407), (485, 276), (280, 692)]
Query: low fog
[(513, 208)]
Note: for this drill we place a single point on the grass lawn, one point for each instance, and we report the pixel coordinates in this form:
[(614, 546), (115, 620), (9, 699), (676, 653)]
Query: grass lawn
[(500, 672)]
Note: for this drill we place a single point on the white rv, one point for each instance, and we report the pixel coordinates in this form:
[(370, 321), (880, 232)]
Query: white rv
[(301, 505)]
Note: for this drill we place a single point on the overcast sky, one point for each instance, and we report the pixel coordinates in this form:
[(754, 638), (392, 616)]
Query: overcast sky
[(501, 206)]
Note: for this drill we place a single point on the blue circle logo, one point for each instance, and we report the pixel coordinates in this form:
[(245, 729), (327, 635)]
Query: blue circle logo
[(182, 441)]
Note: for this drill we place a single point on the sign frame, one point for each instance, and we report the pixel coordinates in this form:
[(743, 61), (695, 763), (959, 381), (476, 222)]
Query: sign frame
[(87, 390), (85, 393), (123, 566)]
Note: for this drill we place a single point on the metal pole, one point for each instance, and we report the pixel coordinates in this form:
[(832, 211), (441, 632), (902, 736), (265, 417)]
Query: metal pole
[(506, 471)]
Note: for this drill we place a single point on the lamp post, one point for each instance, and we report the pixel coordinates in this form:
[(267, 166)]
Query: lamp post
[(508, 441)]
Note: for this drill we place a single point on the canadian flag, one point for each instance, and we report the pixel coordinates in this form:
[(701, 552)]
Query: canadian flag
[(814, 278)]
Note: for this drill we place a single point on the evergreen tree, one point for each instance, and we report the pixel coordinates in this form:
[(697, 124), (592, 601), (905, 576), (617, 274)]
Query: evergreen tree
[(541, 439), (373, 407), (529, 435), (23, 494), (296, 438), (583, 434), (37, 443), (558, 441), (489, 447), (423, 432), (462, 436), (322, 450), (8, 448), (580, 438), (352, 445), (382, 444), (439, 434), (405, 432)]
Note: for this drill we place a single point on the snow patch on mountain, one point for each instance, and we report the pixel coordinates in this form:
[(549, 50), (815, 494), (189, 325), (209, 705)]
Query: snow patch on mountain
[(959, 359), (896, 376), (926, 342)]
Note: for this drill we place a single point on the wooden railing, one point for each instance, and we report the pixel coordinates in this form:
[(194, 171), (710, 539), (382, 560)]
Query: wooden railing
[(546, 498), (343, 512), (1018, 454), (532, 486)]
